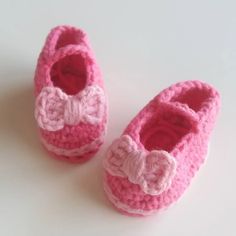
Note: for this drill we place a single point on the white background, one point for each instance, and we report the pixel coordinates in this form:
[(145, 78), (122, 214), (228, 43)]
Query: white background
[(142, 47)]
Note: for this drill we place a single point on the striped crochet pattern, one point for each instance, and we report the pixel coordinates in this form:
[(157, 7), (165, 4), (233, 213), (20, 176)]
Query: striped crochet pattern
[(149, 167), (71, 105)]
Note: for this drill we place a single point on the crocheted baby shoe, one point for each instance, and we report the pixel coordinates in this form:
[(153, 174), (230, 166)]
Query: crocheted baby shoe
[(71, 106), (154, 160)]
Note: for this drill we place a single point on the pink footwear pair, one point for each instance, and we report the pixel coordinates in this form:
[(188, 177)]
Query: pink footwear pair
[(152, 163)]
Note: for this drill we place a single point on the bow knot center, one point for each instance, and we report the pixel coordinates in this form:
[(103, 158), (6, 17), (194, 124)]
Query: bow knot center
[(73, 111), (134, 165)]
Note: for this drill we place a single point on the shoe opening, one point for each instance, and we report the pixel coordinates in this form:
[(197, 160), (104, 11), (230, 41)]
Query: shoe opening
[(70, 74), (69, 36), (164, 131), (194, 98)]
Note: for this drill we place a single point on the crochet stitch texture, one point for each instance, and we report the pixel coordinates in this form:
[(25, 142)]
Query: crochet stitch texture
[(177, 122), (71, 105)]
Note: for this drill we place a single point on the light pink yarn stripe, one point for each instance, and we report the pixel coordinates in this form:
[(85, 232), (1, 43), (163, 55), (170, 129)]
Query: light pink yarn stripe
[(76, 151), (123, 207)]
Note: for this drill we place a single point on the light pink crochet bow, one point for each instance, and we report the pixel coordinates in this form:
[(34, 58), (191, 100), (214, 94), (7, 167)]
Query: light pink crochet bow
[(152, 171), (54, 108)]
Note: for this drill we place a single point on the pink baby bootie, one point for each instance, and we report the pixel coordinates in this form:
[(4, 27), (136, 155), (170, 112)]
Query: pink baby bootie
[(71, 106), (152, 163)]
